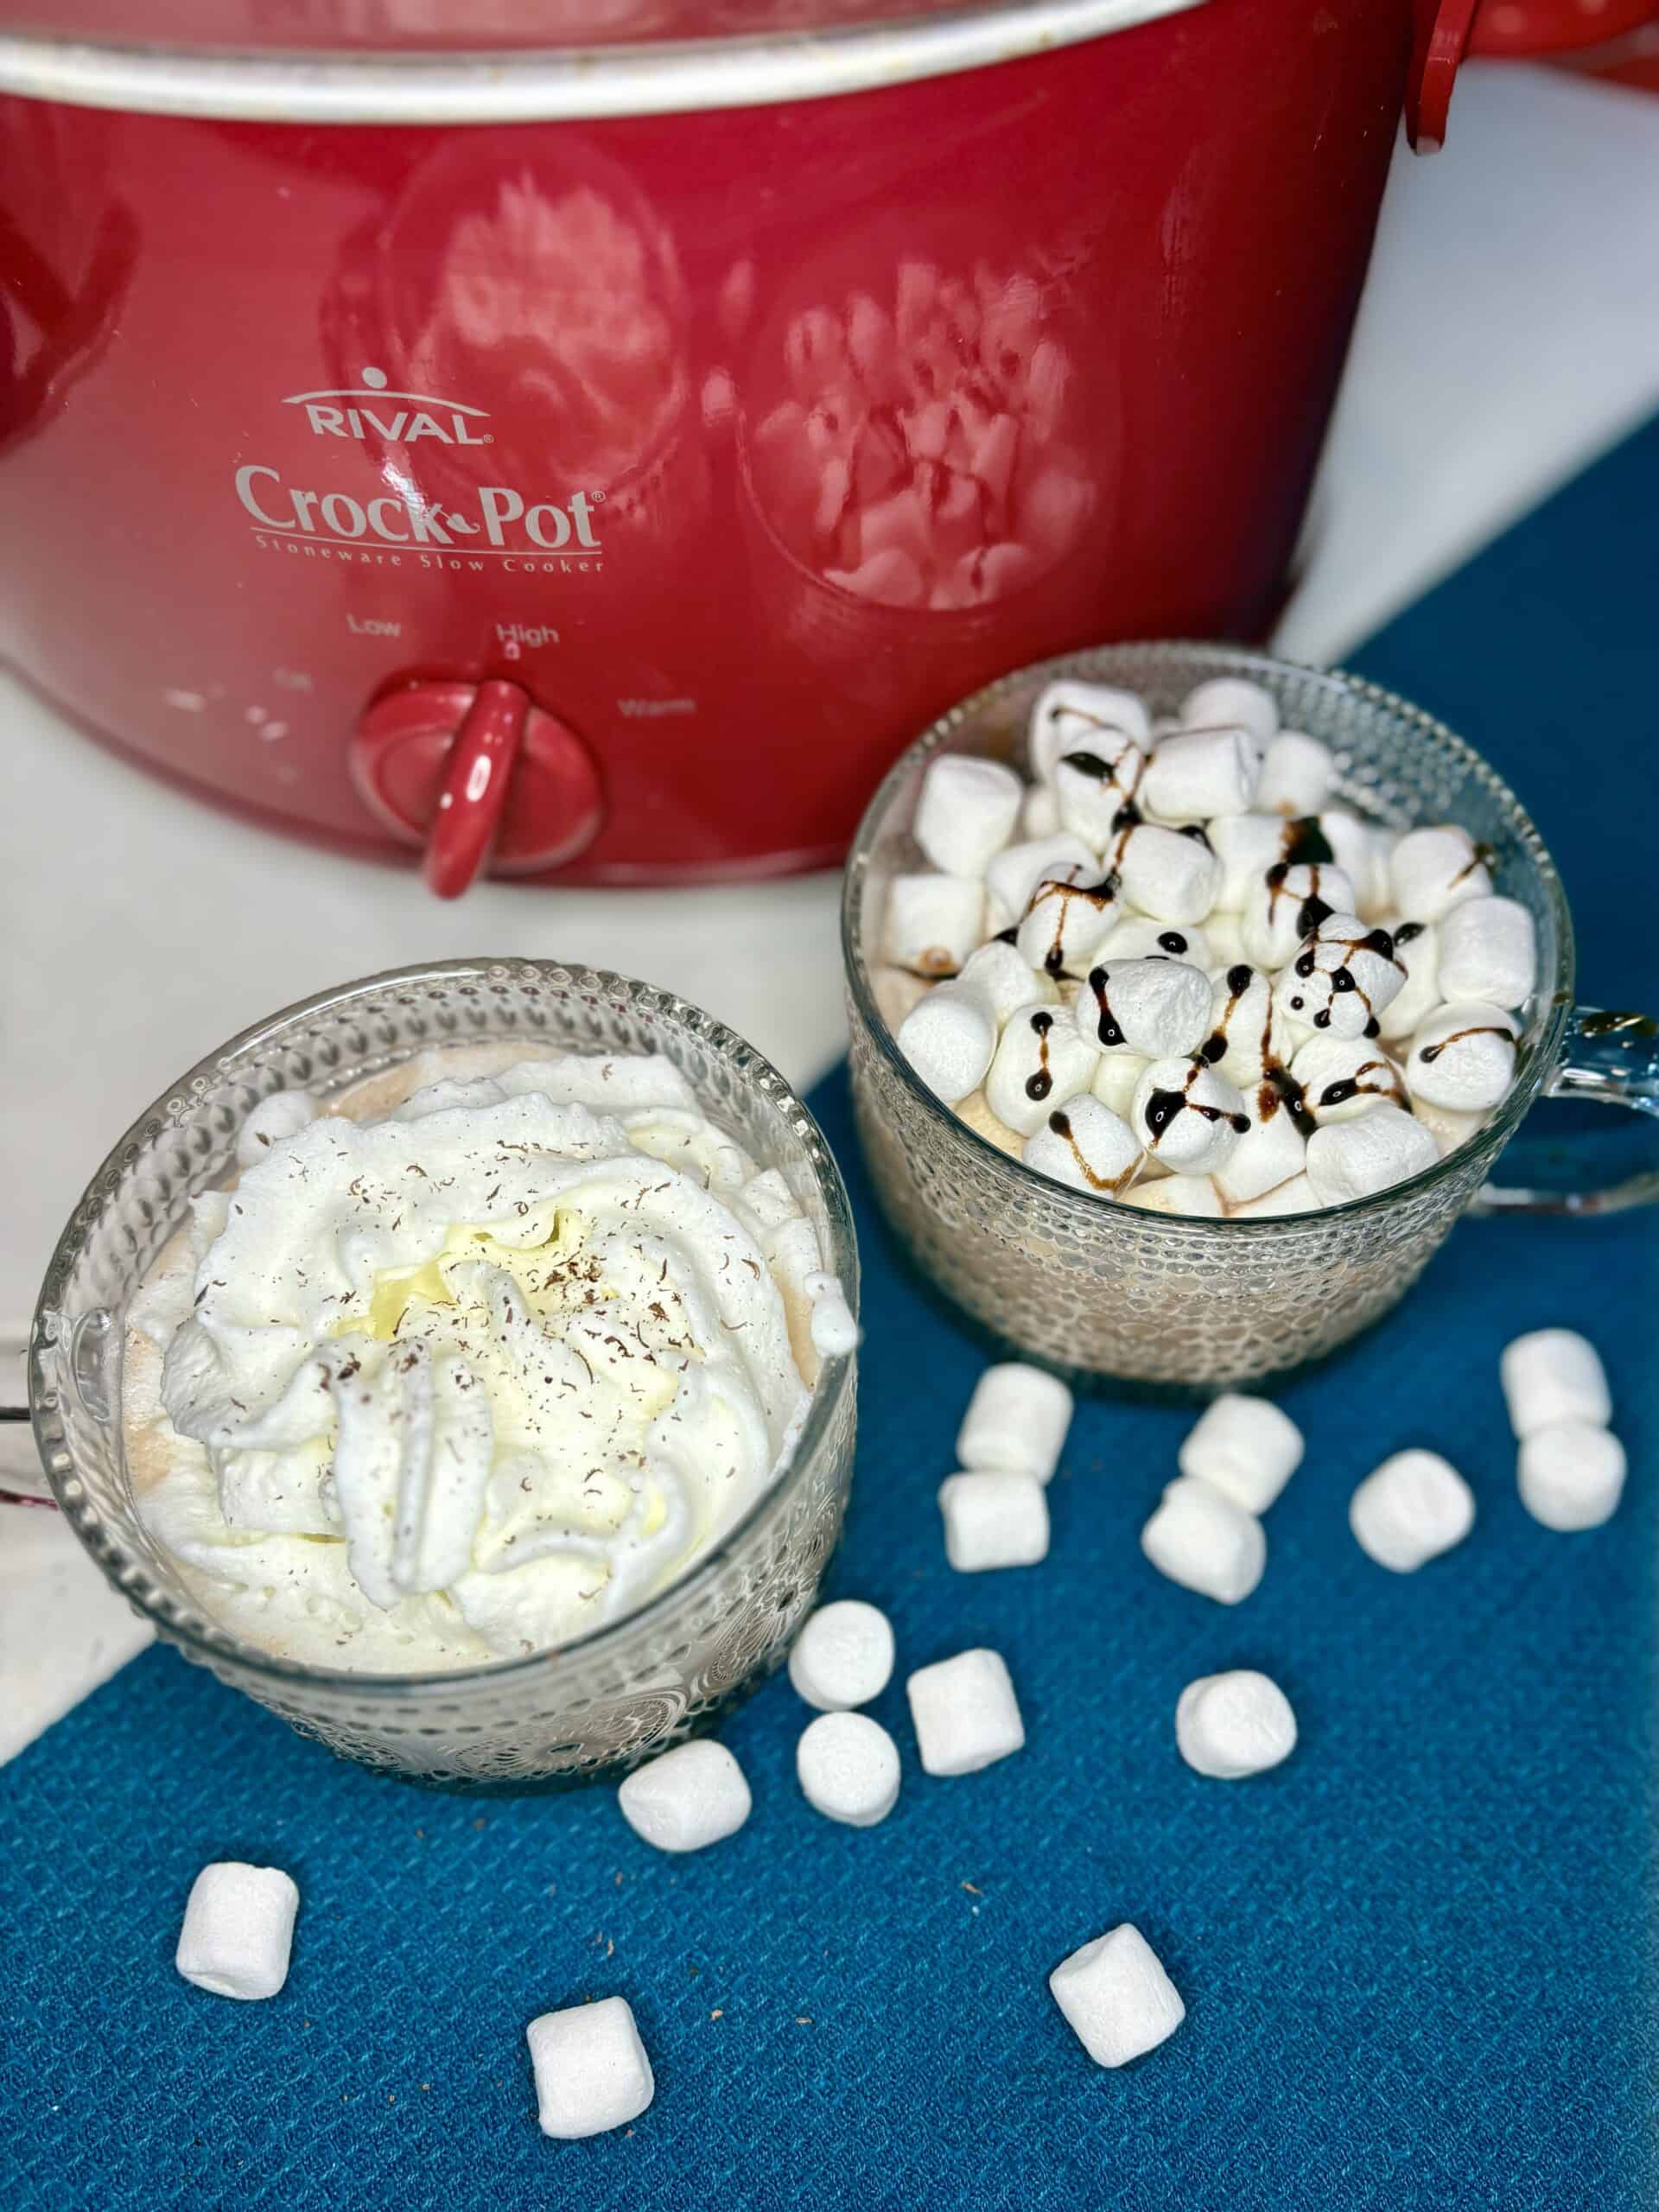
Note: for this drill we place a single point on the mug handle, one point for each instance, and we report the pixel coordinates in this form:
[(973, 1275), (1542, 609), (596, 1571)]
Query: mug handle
[(22, 1478), (1613, 1057)]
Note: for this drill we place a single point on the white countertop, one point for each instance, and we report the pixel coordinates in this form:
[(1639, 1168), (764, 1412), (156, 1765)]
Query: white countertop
[(1510, 333)]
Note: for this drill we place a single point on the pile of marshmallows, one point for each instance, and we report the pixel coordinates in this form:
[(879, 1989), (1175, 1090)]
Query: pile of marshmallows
[(592, 2070), (1168, 971)]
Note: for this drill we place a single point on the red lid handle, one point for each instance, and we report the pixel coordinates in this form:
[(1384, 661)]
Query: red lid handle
[(467, 818), (1510, 28)]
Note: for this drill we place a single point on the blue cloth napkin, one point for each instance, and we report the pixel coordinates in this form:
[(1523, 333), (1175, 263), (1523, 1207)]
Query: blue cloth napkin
[(1416, 1958)]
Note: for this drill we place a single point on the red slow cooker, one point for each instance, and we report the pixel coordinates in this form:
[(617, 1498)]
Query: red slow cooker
[(598, 460)]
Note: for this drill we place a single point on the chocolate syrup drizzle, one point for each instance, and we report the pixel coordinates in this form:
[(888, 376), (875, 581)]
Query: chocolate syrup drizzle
[(1432, 1052), (1164, 1105), (1342, 977), (1039, 1085), (1060, 1122)]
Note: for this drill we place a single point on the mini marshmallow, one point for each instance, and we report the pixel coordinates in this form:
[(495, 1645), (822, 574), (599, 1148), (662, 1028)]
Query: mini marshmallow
[(1431, 871), (1065, 921), (1018, 869), (1448, 1130), (1158, 1008), (1245, 1448), (1551, 1375), (1232, 699), (993, 1520), (1003, 981), (1417, 949), (1297, 774), (239, 1929), (1354, 1159), (1201, 1539), (1071, 716), (1269, 1152), (690, 1797), (1040, 1063), (1116, 1075), (1040, 812), (1252, 1032), (1463, 1057), (1571, 1474), (1095, 783), (1225, 939), (1187, 1115), (847, 1767), (1195, 1196), (284, 1114), (966, 1713), (949, 1039), (966, 812), (842, 1656), (933, 922), (1199, 773), (1362, 851), (1138, 937), (1166, 872), (1227, 1726), (835, 1334), (1489, 951), (1116, 1998), (1016, 1421), (1292, 900), (1246, 845), (1341, 1078), (1414, 1507), (1342, 977), (1086, 1145), (895, 991), (592, 2072), (1298, 1196), (977, 1115)]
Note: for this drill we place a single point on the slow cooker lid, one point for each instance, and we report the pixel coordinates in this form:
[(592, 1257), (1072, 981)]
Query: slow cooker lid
[(505, 61)]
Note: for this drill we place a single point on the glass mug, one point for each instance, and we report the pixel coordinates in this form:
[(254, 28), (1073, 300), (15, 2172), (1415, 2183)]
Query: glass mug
[(1095, 1287), (627, 1690)]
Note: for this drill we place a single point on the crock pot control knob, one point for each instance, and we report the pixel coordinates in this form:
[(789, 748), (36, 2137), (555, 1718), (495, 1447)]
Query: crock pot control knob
[(479, 775)]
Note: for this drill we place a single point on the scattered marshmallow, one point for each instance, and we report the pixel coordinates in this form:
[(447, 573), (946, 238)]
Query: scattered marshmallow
[(592, 2072), (1551, 1375), (842, 1656), (1201, 1539), (1297, 774), (1018, 869), (1246, 845), (1230, 1725), (1193, 1196), (1246, 1448), (1416, 1506), (1116, 1075), (1187, 1115), (1357, 1158), (1116, 1998), (1362, 851), (239, 1929), (1157, 1007), (993, 1520), (1341, 1078), (933, 922), (1448, 1129), (1065, 921), (1253, 1034), (966, 1713), (1016, 1421), (1039, 1063), (1003, 982), (1571, 1474), (834, 1333), (1071, 716), (966, 812), (1432, 870), (847, 1767), (1138, 937), (1086, 1145), (1093, 784), (1040, 812), (1489, 951), (1298, 1196), (1270, 1152), (1291, 900), (284, 1114), (1223, 699), (1167, 872), (690, 1797), (1463, 1057), (949, 1039), (1342, 977), (1201, 773)]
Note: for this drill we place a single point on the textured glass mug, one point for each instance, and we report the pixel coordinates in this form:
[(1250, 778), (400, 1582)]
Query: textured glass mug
[(609, 1699), (1095, 1287)]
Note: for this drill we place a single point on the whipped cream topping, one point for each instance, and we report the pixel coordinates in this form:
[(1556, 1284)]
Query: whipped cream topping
[(478, 1374)]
